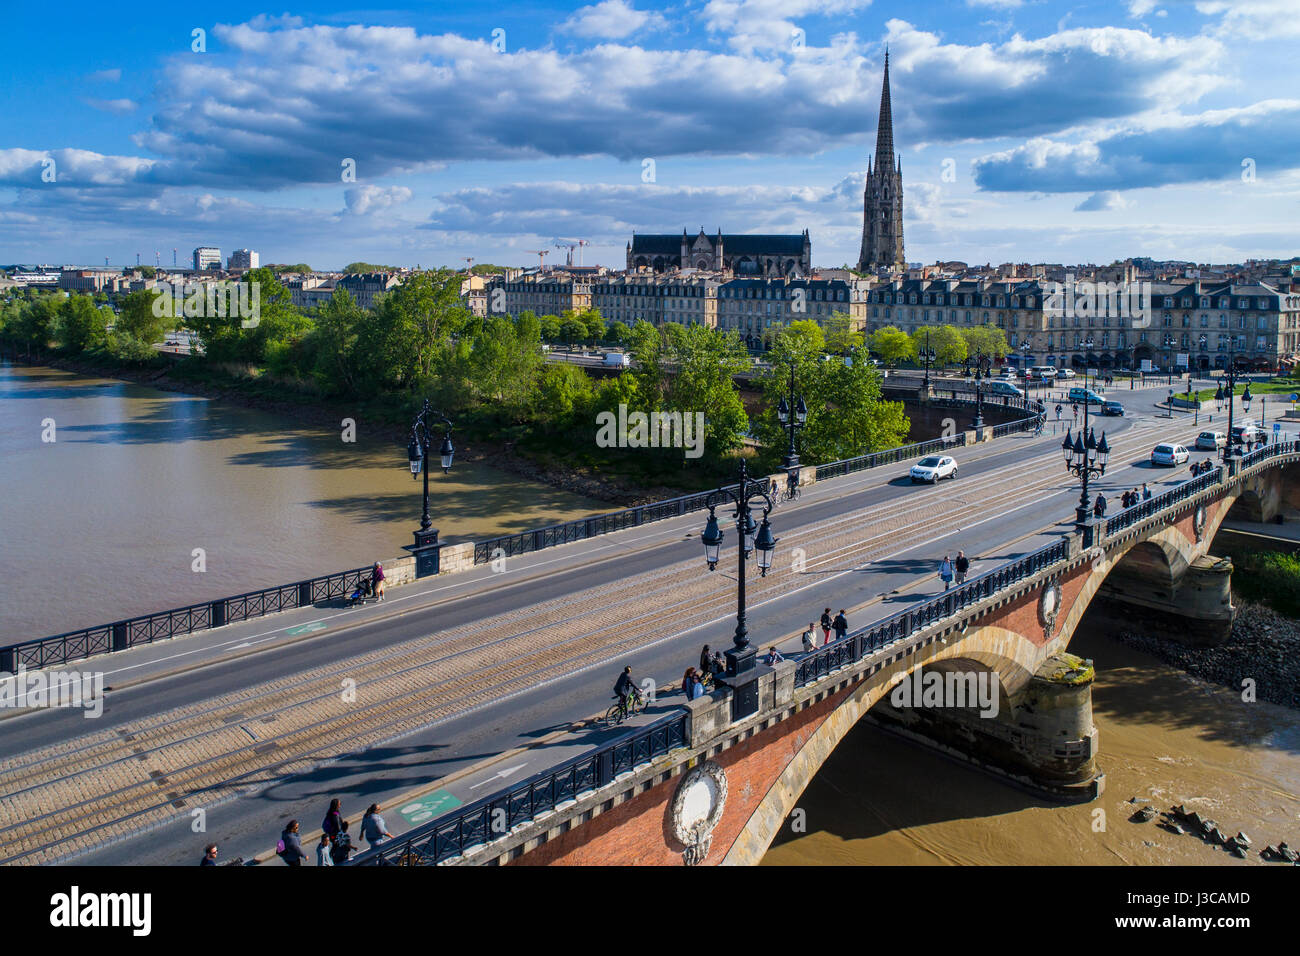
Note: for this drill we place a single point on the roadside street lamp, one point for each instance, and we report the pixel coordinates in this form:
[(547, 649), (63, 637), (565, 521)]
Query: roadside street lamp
[(793, 415), (426, 546), (927, 353), (1085, 458), (1231, 374), (749, 539), (982, 371), (1132, 366)]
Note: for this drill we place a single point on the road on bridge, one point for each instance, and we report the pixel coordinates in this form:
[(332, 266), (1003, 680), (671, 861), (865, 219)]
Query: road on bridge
[(267, 720)]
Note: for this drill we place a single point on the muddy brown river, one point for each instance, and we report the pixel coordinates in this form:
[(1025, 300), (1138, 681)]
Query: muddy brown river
[(1165, 737), (102, 523)]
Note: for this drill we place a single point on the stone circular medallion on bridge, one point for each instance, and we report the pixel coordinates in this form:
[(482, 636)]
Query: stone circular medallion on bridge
[(1049, 606), (697, 807)]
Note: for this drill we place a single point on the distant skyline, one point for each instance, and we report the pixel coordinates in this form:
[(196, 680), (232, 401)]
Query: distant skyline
[(1028, 131)]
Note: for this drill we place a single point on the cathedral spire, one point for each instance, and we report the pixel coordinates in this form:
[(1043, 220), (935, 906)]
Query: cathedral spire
[(885, 130)]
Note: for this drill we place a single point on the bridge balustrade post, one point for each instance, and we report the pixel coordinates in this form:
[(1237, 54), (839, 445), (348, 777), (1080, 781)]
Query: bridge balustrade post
[(121, 636), (218, 615), (304, 594)]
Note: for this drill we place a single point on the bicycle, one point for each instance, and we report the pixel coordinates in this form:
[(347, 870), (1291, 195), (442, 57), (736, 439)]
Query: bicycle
[(616, 715)]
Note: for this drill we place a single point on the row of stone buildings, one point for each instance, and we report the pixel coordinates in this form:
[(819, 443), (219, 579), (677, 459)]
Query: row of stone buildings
[(1125, 319)]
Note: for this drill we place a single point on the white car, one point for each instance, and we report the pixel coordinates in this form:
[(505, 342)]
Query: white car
[(1210, 441), (1167, 454), (1065, 373), (934, 467)]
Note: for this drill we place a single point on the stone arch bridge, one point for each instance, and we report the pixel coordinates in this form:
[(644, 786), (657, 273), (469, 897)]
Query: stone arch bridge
[(712, 784)]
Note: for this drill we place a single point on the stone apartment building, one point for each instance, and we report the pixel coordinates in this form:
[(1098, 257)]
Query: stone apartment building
[(366, 287), (1050, 323)]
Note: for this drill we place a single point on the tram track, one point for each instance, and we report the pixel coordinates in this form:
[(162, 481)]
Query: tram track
[(414, 692)]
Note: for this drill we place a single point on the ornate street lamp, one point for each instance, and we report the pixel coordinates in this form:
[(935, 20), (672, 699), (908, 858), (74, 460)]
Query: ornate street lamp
[(927, 353), (750, 538), (982, 371), (1231, 374), (1085, 458), (426, 548), (793, 415)]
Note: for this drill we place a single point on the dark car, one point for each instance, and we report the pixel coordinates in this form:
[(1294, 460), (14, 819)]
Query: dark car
[(1112, 408)]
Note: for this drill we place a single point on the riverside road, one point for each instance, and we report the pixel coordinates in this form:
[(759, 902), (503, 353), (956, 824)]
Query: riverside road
[(253, 723)]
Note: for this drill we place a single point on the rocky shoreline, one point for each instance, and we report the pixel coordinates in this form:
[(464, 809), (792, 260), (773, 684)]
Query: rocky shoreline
[(1264, 647), (328, 414)]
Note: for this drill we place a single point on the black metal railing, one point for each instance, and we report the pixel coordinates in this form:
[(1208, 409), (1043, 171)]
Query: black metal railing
[(164, 625), (1153, 506), (1273, 450), (889, 456), (493, 816), (866, 640), (523, 542)]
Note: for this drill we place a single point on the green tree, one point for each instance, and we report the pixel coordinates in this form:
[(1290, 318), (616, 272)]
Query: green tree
[(81, 325), (138, 319), (413, 325), (503, 365), (893, 345), (340, 324), (595, 324), (841, 337), (563, 393), (947, 342), (550, 328), (617, 333), (846, 414), (989, 339)]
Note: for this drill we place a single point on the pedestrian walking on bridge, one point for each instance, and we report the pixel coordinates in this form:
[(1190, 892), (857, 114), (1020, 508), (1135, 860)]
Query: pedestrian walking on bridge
[(809, 642), (373, 827), (841, 625), (945, 572), (826, 623), (961, 566)]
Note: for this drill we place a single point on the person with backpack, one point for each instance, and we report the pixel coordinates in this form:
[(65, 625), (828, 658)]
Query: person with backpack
[(289, 848), (624, 688), (323, 856), (841, 625), (342, 847), (330, 826), (373, 827), (808, 642)]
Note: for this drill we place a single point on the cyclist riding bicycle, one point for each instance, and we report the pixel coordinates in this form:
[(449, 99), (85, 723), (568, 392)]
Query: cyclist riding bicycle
[(792, 483), (624, 688)]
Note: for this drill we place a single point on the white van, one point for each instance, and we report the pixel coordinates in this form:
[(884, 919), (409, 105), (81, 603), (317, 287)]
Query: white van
[(617, 360), (1042, 373)]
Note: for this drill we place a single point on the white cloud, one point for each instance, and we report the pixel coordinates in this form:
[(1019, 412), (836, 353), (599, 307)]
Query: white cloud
[(610, 20), (767, 25), (118, 107), (105, 76), (1254, 19), (1105, 201), (364, 200)]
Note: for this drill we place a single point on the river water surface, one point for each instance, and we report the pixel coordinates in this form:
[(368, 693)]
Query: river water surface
[(1165, 738), (103, 522)]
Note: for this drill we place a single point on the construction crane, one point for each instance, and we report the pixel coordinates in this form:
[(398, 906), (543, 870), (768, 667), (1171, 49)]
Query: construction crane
[(173, 258), (541, 255), (571, 244), (469, 264), (157, 259)]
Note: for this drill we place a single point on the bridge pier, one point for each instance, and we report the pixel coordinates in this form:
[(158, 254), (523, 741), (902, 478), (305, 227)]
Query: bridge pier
[(1043, 739), (1195, 609)]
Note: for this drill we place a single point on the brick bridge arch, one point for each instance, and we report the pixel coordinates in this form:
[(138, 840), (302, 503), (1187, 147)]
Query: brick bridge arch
[(805, 711)]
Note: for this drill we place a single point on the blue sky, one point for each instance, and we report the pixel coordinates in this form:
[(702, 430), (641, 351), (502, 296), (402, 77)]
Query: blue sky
[(1028, 131)]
